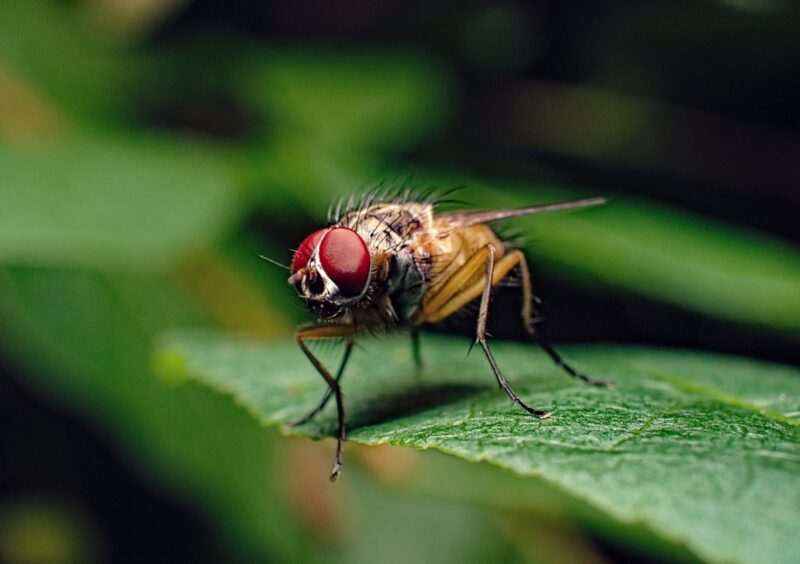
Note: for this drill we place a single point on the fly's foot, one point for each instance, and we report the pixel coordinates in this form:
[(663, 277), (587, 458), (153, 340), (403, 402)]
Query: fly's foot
[(337, 462), (540, 413), (336, 470), (607, 384)]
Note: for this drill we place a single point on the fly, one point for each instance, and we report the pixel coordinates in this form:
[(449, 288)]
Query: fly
[(394, 263)]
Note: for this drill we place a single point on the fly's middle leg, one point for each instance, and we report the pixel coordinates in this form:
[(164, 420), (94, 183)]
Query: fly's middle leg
[(453, 296), (480, 336)]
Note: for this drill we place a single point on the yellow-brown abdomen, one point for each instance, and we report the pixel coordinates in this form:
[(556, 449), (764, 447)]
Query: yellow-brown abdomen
[(451, 250)]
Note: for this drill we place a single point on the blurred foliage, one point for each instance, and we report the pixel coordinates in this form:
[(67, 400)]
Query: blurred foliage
[(144, 167), (40, 531), (123, 203)]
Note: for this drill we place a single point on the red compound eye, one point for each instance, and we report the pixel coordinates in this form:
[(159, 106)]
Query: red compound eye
[(345, 258), (303, 253)]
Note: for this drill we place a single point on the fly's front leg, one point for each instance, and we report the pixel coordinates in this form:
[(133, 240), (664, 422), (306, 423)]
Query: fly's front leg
[(329, 332), (329, 392), (527, 320)]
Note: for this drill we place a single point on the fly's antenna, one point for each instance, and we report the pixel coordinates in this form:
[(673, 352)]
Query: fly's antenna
[(275, 262)]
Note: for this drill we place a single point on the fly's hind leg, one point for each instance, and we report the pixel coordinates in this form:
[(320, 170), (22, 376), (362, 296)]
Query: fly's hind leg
[(329, 332), (452, 298), (556, 358), (527, 320)]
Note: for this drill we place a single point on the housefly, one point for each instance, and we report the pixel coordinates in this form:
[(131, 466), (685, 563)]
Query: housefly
[(386, 263)]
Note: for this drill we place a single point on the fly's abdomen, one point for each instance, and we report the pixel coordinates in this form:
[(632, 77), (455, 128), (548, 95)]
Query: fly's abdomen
[(450, 252)]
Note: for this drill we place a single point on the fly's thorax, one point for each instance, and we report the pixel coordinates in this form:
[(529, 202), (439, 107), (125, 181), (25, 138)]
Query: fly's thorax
[(387, 227), (407, 282), (399, 272)]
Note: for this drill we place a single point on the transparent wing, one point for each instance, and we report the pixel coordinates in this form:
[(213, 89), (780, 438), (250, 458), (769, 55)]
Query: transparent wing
[(467, 218)]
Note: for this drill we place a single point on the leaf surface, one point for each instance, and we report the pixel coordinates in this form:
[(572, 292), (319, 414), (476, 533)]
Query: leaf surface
[(702, 450)]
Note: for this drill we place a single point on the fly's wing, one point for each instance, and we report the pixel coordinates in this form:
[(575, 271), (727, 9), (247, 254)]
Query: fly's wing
[(467, 218)]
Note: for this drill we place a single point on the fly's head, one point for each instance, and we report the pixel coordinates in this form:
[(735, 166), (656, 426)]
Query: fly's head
[(331, 270)]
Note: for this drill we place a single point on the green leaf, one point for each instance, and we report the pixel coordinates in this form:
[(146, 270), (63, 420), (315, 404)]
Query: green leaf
[(109, 202), (702, 450)]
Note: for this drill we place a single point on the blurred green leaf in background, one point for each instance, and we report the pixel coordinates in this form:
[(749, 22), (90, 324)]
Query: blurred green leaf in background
[(151, 151)]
